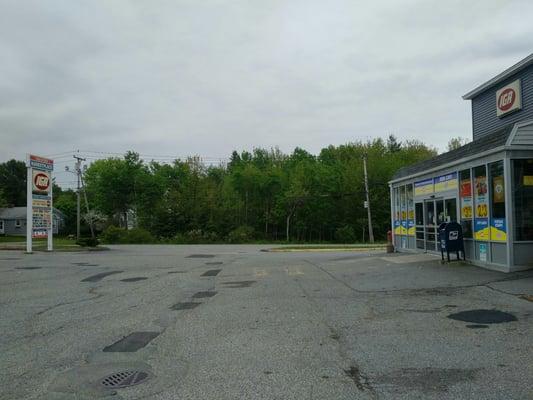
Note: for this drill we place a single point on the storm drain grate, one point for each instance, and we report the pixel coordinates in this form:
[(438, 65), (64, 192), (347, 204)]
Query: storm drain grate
[(124, 379)]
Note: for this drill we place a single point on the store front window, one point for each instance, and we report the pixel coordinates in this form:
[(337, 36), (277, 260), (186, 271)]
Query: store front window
[(523, 199), (498, 225), (465, 194), (481, 215)]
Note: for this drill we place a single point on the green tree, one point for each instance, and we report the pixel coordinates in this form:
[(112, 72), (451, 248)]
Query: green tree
[(13, 182)]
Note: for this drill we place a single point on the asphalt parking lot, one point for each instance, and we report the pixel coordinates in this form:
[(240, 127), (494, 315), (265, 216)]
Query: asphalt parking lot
[(234, 322)]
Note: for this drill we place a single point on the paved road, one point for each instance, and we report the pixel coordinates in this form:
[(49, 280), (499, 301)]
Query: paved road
[(285, 326)]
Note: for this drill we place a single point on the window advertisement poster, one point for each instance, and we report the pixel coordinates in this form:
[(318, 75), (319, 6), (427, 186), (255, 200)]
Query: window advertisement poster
[(410, 211), (498, 226), (481, 221), (466, 199), (481, 229), (445, 182), (424, 187), (397, 227), (483, 252), (498, 230)]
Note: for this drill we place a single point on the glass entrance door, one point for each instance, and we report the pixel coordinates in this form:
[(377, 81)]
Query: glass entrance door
[(436, 211), (430, 220)]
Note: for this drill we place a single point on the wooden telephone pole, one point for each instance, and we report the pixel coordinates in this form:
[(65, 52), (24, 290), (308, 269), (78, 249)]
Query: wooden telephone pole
[(370, 230)]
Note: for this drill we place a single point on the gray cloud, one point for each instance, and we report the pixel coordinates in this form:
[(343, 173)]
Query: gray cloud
[(190, 77)]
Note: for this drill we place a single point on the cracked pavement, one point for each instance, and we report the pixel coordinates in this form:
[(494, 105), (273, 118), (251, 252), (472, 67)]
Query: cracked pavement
[(303, 325)]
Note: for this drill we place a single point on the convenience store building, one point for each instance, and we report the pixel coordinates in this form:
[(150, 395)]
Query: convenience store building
[(486, 185)]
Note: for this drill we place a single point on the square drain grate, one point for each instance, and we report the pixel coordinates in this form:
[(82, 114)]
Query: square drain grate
[(124, 379)]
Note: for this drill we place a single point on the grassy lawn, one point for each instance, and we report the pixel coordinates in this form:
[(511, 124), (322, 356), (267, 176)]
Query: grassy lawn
[(60, 244), (332, 247)]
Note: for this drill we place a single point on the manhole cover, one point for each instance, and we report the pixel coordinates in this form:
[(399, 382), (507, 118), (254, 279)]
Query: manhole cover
[(483, 316), (124, 379)]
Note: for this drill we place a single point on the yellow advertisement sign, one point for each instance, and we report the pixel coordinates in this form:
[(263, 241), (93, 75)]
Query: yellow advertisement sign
[(481, 229), (424, 187), (446, 182), (528, 180)]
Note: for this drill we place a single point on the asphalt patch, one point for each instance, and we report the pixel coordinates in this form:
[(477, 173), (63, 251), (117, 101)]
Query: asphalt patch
[(136, 279), (200, 256), (28, 267), (202, 295), (131, 343), (212, 272), (185, 306), (239, 284), (425, 379), (100, 276), (477, 326), (177, 272), (355, 374), (85, 264), (214, 263), (483, 316)]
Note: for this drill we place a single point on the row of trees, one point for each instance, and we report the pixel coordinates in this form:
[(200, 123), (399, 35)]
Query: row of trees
[(263, 194)]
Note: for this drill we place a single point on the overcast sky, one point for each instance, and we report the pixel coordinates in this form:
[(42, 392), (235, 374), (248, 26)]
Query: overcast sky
[(206, 77)]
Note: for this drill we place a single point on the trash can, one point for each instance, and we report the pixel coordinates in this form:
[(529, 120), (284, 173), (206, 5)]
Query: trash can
[(451, 239)]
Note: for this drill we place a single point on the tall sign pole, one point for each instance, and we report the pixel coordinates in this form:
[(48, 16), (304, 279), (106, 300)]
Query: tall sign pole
[(370, 230), (39, 211)]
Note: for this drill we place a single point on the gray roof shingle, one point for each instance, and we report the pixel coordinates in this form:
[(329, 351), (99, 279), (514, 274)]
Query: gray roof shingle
[(488, 142)]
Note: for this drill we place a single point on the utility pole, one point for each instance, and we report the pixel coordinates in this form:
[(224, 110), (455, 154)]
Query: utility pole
[(370, 230), (78, 200), (77, 171)]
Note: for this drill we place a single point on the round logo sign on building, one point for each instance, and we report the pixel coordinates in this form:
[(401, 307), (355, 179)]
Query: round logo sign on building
[(508, 99)]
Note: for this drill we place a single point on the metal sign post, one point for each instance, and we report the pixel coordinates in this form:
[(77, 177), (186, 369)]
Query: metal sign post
[(39, 211)]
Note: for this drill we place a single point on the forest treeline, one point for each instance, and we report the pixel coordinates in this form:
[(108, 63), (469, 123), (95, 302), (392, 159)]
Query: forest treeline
[(259, 195)]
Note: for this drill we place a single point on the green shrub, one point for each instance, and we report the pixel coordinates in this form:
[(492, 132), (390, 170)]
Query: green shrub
[(115, 235), (138, 236), (242, 234), (87, 242), (345, 234), (112, 235)]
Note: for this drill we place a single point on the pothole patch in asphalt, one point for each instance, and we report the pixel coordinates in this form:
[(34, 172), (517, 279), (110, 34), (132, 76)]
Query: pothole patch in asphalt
[(212, 272), (100, 276), (136, 279), (177, 272), (185, 306), (131, 343), (477, 326), (30, 268), (239, 284), (200, 256), (214, 263), (425, 379), (85, 264), (202, 295), (122, 379), (483, 317)]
